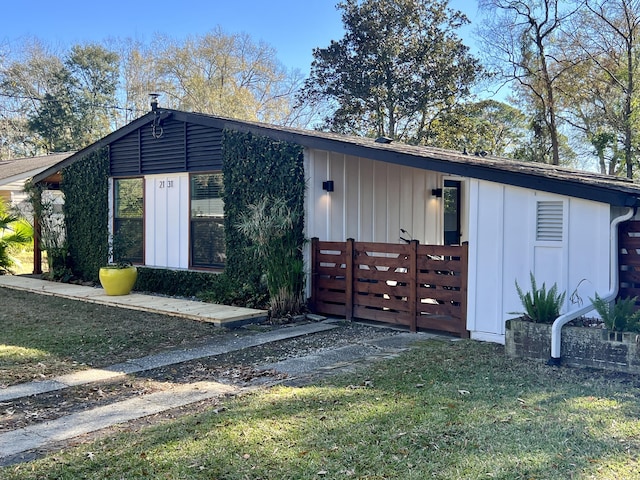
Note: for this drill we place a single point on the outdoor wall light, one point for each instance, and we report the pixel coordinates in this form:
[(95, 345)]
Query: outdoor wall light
[(328, 185), (436, 192)]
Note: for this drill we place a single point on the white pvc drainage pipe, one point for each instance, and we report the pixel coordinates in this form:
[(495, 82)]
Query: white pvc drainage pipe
[(556, 328)]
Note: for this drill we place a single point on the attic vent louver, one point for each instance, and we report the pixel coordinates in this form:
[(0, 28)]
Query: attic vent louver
[(549, 220), (384, 140)]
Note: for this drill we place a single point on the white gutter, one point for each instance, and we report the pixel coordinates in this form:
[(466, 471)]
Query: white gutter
[(556, 328)]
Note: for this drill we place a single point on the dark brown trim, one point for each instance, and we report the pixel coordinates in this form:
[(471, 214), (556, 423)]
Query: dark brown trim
[(612, 190), (215, 268)]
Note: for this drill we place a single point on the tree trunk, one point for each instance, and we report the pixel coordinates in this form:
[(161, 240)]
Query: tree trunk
[(550, 108), (627, 111)]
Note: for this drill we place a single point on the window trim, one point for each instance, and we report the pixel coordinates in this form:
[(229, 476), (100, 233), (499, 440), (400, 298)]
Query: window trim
[(192, 266), (112, 233)]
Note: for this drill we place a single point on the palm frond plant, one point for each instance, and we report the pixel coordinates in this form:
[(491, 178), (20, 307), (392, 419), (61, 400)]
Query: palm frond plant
[(269, 224), (540, 305), (15, 233)]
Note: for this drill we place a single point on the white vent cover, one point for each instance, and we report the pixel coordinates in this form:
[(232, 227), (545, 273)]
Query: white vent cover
[(549, 220)]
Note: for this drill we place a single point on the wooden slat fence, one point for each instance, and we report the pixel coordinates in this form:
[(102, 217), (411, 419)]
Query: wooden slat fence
[(629, 259), (420, 286)]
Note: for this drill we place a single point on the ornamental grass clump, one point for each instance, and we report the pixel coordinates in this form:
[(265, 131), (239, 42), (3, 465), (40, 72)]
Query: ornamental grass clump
[(619, 316), (540, 305), (269, 224)]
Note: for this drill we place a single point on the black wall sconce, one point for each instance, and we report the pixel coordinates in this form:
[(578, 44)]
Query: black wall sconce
[(436, 192), (328, 185)]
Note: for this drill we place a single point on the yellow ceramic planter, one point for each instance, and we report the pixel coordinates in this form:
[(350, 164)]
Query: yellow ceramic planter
[(118, 281)]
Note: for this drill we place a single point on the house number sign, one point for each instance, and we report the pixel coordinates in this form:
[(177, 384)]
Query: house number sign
[(165, 184)]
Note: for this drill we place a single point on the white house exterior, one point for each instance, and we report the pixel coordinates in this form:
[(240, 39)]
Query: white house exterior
[(516, 217), (14, 173), (374, 200)]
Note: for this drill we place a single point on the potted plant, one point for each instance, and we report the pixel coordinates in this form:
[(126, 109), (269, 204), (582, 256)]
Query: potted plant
[(611, 342), (118, 277)]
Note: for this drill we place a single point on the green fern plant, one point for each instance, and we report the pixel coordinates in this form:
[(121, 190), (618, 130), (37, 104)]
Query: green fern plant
[(621, 316), (540, 305)]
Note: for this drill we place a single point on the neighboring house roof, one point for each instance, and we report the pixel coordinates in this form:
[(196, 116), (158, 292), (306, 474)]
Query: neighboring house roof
[(19, 169), (603, 188)]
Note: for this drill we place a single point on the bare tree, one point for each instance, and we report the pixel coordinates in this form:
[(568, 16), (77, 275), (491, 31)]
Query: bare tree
[(227, 75), (519, 37), (607, 37)]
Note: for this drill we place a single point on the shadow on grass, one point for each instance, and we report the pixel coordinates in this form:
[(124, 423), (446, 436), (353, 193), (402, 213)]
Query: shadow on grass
[(443, 410)]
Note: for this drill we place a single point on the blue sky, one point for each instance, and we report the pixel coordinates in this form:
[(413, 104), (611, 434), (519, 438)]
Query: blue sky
[(292, 27)]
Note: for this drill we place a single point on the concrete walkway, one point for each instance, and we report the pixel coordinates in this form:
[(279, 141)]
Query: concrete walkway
[(13, 443), (150, 362), (219, 315), (23, 444)]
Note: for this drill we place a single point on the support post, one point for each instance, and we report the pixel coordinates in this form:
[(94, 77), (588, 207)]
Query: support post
[(413, 285), (464, 272), (349, 279), (314, 273), (37, 230)]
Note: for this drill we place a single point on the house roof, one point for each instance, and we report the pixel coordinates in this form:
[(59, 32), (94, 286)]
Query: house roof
[(588, 185), (23, 168)]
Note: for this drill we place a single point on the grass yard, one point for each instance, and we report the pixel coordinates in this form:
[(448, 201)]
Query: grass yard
[(445, 410), (43, 336), (24, 259)]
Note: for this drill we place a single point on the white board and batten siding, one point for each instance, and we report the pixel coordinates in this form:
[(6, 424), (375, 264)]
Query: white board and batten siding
[(511, 230), (371, 201), (167, 220), (515, 231)]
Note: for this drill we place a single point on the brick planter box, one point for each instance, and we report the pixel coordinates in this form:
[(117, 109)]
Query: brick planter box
[(581, 346)]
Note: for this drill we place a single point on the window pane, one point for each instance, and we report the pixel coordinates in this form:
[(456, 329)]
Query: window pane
[(207, 243), (207, 221), (206, 193), (129, 201), (128, 224), (128, 240), (451, 212)]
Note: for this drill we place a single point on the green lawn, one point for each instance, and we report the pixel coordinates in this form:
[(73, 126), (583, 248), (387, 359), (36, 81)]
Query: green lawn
[(43, 336), (445, 410)]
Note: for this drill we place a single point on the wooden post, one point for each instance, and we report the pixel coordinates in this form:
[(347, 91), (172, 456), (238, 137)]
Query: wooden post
[(413, 285), (464, 272), (349, 278), (37, 233)]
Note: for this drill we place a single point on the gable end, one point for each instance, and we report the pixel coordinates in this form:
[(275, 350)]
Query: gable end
[(180, 147)]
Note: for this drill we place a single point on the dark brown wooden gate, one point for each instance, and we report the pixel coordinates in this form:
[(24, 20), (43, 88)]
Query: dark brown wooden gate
[(420, 286), (629, 259)]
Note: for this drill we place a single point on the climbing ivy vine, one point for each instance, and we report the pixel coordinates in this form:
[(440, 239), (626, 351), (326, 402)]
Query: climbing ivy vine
[(255, 167), (85, 186)]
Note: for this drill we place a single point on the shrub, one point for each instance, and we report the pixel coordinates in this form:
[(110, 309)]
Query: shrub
[(540, 305), (619, 316), (210, 287), (270, 225)]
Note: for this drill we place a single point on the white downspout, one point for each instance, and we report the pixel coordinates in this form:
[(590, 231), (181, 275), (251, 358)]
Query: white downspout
[(556, 328)]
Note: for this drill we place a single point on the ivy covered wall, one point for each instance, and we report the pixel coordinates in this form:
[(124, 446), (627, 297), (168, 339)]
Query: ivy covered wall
[(254, 167), (85, 186)]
